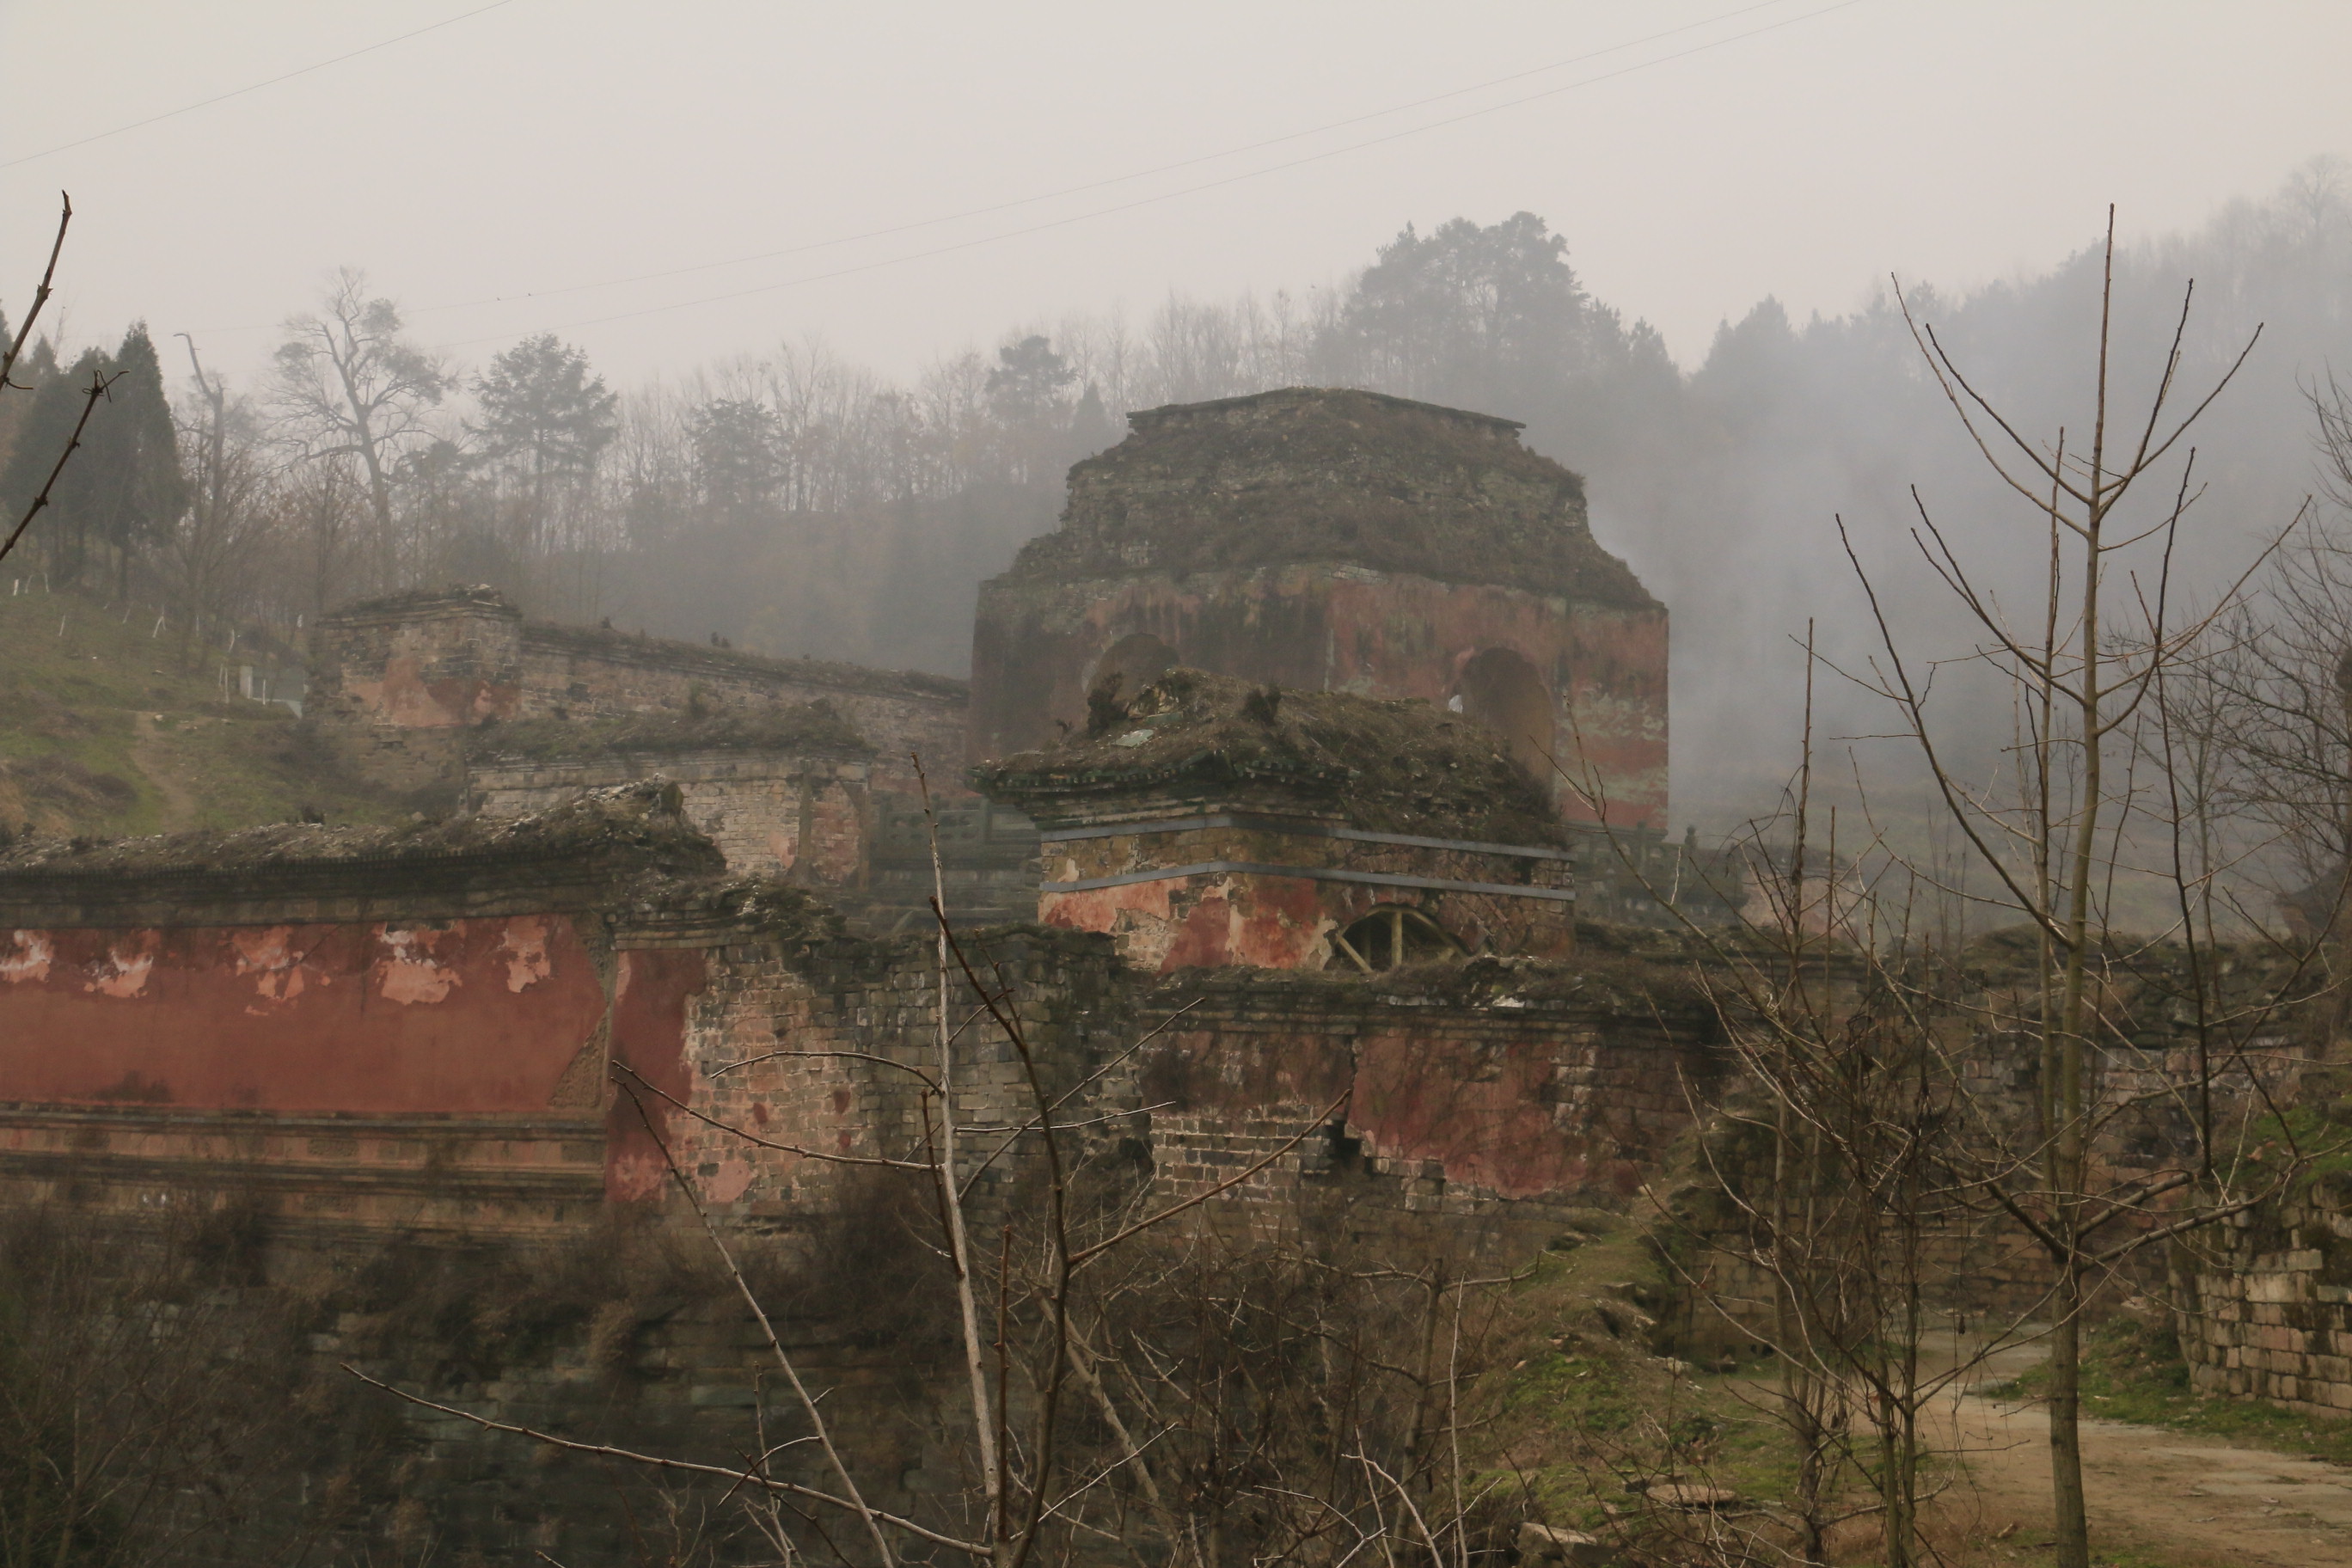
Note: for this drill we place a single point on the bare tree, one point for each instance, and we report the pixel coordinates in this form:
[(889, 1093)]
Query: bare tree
[(214, 546), (2104, 793), (350, 384)]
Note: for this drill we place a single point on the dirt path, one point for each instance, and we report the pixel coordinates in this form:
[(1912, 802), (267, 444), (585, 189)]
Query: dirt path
[(155, 761), (2178, 1498), (2160, 1491)]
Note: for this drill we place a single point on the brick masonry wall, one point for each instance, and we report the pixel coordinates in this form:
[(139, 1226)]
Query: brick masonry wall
[(798, 1058), (388, 677), (1289, 922), (1467, 1100), (413, 1038), (2266, 1312), (802, 818), (584, 673), (1036, 645)]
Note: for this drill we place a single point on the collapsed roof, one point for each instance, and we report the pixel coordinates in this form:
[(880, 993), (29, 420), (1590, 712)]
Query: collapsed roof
[(1310, 474), (1386, 766)]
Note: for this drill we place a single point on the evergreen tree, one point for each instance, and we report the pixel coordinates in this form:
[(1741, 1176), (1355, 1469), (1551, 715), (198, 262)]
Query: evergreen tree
[(545, 412), (1028, 396), (135, 487), (1091, 426), (126, 487), (1029, 382), (738, 456), (43, 426), (1489, 318)]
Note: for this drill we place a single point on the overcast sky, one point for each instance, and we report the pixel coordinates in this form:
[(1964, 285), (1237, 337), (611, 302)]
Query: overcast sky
[(526, 165)]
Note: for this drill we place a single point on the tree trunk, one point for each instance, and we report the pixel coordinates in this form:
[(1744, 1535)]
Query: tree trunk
[(2066, 1425)]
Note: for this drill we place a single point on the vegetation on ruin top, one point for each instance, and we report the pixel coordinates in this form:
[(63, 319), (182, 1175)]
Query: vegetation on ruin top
[(1390, 766), (1309, 474), (614, 643), (641, 817), (1619, 984)]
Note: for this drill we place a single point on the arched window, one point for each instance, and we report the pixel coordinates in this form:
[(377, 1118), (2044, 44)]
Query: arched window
[(1502, 691), (1137, 660), (1393, 936)]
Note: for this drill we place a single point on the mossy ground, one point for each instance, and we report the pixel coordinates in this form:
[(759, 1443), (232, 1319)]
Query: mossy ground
[(109, 729)]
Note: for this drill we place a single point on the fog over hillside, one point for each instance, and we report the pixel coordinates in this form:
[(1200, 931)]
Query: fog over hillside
[(786, 498)]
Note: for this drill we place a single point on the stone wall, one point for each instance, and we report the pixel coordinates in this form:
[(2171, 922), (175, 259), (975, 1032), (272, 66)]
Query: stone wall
[(2265, 1310), (771, 814), (1038, 645), (396, 681)]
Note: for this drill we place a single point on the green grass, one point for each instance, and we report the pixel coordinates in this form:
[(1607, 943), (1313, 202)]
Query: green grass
[(108, 731)]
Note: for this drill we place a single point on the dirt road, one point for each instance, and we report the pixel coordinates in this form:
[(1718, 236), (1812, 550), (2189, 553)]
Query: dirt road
[(2178, 1498)]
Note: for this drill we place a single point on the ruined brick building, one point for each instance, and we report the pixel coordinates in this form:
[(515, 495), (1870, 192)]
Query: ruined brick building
[(1305, 844), (1338, 541), (1259, 835), (1384, 612)]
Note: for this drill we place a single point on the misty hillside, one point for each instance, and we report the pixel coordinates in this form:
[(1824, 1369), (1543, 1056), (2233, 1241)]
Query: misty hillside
[(795, 503)]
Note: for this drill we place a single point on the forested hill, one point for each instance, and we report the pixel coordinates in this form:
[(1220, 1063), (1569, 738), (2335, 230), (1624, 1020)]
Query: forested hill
[(796, 503)]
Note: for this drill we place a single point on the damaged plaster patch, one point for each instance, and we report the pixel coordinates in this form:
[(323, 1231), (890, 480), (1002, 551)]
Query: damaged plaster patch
[(123, 975), (27, 959), (270, 955), (409, 974), (727, 1180), (524, 945)]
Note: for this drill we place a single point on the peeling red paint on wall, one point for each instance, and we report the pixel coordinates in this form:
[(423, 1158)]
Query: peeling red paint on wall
[(1526, 1108), (408, 698), (1479, 1107), (649, 1001), (353, 1018)]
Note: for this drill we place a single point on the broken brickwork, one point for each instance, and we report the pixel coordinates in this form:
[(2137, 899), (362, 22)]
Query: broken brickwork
[(1205, 822), (2267, 1308), (398, 681), (1338, 540), (782, 792)]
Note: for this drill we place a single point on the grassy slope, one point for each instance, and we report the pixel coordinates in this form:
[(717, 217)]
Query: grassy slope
[(103, 730)]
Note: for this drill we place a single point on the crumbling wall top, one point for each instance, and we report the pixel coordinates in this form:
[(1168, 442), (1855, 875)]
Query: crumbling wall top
[(423, 604), (808, 729), (1309, 474), (607, 845), (1385, 767)]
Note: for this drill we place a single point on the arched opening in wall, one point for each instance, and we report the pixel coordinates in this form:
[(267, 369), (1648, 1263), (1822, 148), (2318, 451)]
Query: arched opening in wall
[(1502, 691), (1393, 936), (1137, 660)]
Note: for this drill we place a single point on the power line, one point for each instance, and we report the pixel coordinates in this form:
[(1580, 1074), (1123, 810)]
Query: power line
[(253, 87), (1111, 180), (1165, 195)]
